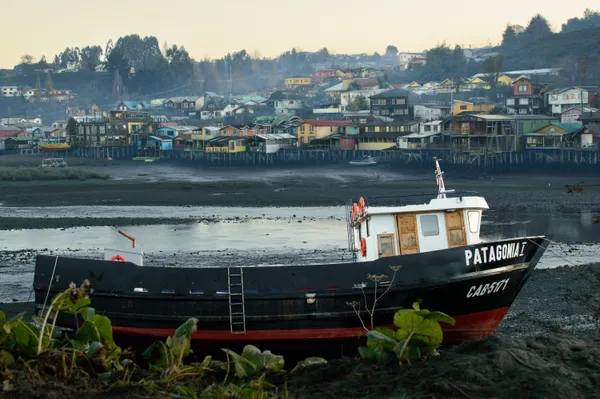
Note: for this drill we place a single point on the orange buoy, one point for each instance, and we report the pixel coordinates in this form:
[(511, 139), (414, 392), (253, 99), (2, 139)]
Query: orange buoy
[(363, 247), (118, 258)]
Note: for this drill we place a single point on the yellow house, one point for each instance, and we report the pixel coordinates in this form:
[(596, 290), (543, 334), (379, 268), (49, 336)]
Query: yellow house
[(461, 107), (297, 81), (311, 129), (504, 80), (378, 141), (478, 83), (414, 85), (227, 144)]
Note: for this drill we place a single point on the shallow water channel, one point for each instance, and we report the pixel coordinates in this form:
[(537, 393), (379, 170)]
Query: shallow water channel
[(272, 232)]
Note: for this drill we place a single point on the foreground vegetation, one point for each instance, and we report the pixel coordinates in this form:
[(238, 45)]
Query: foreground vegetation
[(31, 173), (34, 353)]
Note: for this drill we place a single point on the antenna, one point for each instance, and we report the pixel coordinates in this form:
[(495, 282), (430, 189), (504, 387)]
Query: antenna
[(439, 178)]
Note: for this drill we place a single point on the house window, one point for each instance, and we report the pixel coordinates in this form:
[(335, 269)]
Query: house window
[(385, 244), (429, 225), (473, 221), (522, 89), (463, 107)]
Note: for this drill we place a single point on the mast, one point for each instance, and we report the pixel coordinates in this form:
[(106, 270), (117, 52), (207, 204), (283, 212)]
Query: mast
[(439, 178)]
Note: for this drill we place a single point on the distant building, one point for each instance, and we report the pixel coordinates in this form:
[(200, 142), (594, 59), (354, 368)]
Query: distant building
[(391, 103), (560, 100), (10, 91), (293, 82), (408, 59), (526, 98)]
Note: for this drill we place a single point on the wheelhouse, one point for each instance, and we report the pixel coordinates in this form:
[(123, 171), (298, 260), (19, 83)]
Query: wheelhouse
[(443, 223)]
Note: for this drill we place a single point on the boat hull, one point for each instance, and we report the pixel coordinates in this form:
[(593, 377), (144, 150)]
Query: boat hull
[(51, 148), (303, 303)]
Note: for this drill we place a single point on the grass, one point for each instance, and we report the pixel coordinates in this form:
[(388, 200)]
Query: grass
[(31, 174)]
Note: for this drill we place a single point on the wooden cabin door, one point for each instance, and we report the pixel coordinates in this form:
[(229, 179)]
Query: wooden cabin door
[(407, 229), (455, 227)]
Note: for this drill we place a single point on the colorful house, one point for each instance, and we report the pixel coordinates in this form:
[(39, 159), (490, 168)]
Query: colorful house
[(309, 130), (464, 107), (297, 81), (504, 80), (227, 144), (554, 135)]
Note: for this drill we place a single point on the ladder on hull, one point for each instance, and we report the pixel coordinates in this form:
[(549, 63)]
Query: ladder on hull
[(237, 311)]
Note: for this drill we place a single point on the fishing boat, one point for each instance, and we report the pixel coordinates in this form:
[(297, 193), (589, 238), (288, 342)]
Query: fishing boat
[(52, 147), (365, 161), (427, 252)]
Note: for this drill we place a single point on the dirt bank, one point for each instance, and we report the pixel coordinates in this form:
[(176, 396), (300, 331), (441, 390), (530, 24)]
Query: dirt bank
[(298, 189)]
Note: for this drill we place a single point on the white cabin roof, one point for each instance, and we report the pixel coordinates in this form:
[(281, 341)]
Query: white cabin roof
[(436, 204)]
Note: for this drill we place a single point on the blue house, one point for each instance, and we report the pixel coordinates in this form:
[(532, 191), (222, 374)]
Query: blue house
[(158, 143)]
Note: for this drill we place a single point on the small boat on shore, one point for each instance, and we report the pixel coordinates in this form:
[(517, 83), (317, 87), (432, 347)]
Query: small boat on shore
[(365, 161), (53, 147), (53, 163), (410, 252)]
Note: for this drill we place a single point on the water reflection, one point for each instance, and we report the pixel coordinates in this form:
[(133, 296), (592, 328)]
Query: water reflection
[(278, 234)]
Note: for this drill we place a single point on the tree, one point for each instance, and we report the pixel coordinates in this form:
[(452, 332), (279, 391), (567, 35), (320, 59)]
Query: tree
[(277, 95), (537, 29), (591, 19), (510, 38), (49, 82), (90, 57), (116, 62), (358, 104), (391, 51), (27, 59), (493, 66)]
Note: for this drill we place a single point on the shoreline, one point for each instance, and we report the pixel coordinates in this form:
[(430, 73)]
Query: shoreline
[(298, 190)]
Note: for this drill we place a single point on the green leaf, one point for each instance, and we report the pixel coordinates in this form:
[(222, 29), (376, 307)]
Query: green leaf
[(388, 332), (88, 332), (376, 339), (87, 313), (6, 359), (272, 362), (380, 354), (243, 367), (366, 353), (93, 349), (438, 316), (104, 327), (12, 322), (406, 320), (2, 318), (253, 354), (312, 361), (428, 331), (158, 355), (416, 306), (180, 343)]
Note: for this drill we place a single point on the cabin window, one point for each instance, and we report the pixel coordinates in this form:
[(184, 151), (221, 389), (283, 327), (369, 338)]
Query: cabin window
[(368, 228), (429, 225), (473, 221), (386, 244)]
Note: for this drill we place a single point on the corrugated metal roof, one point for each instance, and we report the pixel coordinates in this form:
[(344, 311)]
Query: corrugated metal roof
[(276, 136), (420, 135)]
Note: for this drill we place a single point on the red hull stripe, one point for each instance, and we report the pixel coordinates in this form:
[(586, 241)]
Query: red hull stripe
[(468, 327)]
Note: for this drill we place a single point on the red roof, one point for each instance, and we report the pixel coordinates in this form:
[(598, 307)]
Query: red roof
[(4, 134), (321, 122)]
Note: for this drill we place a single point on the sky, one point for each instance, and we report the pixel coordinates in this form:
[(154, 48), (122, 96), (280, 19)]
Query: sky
[(208, 28)]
